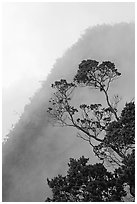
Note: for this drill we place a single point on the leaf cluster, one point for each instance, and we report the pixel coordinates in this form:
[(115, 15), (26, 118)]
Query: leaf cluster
[(120, 135), (98, 76), (85, 182)]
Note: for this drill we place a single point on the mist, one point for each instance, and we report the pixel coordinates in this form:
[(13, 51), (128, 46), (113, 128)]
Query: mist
[(35, 149)]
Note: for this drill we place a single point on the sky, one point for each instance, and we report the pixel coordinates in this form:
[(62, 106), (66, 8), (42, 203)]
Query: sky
[(34, 35)]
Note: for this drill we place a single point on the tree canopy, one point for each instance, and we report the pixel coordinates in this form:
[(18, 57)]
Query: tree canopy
[(111, 135), (86, 182)]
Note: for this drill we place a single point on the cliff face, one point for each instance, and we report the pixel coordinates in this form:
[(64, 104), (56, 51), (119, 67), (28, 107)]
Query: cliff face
[(36, 150)]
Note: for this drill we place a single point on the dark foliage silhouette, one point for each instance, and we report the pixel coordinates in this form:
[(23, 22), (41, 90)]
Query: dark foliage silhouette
[(127, 172), (86, 182), (112, 136), (120, 135)]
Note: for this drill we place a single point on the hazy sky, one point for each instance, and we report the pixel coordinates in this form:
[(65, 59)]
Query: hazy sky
[(36, 34)]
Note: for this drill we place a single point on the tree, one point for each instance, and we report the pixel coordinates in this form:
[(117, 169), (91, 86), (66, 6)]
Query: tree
[(85, 182), (111, 136), (120, 137)]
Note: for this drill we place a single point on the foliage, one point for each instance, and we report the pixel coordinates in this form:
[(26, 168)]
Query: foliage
[(120, 136), (111, 136), (127, 172), (85, 182), (94, 121)]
